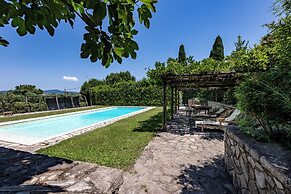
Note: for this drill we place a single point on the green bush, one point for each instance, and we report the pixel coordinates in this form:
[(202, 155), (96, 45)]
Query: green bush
[(20, 107), (267, 99), (128, 94)]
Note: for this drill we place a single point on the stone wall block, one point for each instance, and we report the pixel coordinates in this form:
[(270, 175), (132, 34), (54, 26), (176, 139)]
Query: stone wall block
[(243, 182), (237, 152), (259, 167), (251, 161), (260, 179), (278, 184), (270, 181), (245, 191), (237, 166), (255, 155), (253, 188), (262, 191), (278, 191), (251, 173), (244, 170), (230, 141)]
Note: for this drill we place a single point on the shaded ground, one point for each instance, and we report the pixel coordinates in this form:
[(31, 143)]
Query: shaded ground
[(23, 171), (182, 160)]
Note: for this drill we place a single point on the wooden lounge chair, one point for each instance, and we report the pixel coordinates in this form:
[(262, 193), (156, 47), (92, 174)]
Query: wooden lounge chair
[(8, 113), (215, 114), (219, 124)]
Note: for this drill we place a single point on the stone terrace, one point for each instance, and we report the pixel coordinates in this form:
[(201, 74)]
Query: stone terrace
[(182, 160)]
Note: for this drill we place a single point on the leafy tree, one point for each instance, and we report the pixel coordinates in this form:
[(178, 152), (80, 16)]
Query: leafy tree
[(110, 24), (86, 88), (265, 98), (25, 89), (217, 51), (114, 78), (182, 54)]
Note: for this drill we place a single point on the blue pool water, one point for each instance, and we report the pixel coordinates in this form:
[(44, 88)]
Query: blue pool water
[(39, 130)]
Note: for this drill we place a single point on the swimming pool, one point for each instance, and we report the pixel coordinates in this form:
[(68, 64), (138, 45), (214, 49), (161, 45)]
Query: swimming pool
[(39, 130)]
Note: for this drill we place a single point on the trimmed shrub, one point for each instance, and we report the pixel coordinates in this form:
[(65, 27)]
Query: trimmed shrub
[(128, 94)]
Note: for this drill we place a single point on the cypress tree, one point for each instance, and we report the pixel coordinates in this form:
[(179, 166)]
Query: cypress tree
[(182, 54), (217, 51)]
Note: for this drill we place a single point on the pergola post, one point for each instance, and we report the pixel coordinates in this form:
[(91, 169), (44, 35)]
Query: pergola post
[(164, 105), (72, 100), (178, 94), (176, 100), (57, 101), (172, 102)]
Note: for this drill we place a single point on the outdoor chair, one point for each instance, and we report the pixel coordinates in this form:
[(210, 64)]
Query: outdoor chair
[(214, 114), (220, 123)]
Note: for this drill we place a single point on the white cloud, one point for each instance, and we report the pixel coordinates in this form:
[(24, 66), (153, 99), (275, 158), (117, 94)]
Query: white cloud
[(70, 78)]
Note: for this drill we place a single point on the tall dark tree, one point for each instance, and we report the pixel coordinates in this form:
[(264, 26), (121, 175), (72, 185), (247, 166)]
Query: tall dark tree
[(182, 54), (241, 44), (217, 51)]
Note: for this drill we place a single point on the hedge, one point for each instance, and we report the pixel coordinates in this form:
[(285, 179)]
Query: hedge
[(128, 94)]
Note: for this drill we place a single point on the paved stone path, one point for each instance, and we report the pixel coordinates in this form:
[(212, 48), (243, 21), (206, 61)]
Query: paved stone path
[(182, 161), (179, 161)]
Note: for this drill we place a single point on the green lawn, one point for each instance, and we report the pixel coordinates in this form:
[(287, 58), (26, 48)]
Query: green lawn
[(43, 114), (117, 145)]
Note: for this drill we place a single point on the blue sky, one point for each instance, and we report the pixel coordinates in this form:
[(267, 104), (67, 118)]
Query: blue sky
[(43, 60)]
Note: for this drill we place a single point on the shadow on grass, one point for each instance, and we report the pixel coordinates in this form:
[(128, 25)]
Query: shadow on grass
[(211, 177), (153, 124), (18, 167)]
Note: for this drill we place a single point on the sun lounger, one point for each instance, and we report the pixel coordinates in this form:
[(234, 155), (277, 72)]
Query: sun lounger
[(213, 115), (8, 113), (219, 124)]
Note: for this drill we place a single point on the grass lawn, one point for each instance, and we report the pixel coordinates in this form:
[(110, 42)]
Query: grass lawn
[(117, 145), (43, 114)]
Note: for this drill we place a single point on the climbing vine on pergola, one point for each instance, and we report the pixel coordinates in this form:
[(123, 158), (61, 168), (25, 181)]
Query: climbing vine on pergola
[(190, 81)]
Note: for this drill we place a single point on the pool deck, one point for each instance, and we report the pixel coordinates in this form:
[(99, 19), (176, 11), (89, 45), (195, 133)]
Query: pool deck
[(32, 148), (182, 160)]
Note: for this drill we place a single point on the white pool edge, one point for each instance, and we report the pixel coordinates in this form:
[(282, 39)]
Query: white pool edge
[(56, 115), (56, 139)]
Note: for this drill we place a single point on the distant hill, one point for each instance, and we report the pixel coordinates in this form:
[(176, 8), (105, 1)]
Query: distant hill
[(55, 91), (3, 91)]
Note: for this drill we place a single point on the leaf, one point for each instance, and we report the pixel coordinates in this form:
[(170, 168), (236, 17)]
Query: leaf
[(21, 30), (50, 30), (17, 22), (134, 32), (133, 54), (3, 42), (29, 27), (85, 54), (99, 12), (119, 51), (134, 45)]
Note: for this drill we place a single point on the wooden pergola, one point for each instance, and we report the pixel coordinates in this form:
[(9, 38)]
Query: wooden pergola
[(190, 81)]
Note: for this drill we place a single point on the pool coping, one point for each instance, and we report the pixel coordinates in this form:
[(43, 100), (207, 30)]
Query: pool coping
[(52, 116), (79, 131)]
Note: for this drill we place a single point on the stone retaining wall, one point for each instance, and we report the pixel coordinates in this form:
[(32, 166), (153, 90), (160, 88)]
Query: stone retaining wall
[(256, 167)]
